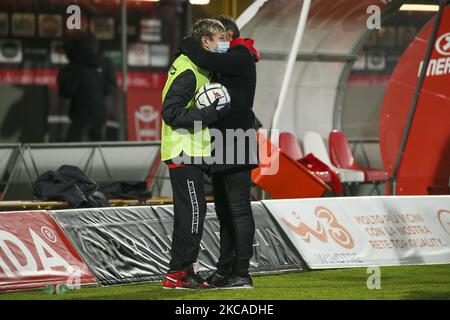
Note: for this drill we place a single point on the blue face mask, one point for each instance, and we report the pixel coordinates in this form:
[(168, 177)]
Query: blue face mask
[(222, 47)]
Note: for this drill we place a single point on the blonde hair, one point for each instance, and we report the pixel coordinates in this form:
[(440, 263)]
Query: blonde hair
[(206, 27)]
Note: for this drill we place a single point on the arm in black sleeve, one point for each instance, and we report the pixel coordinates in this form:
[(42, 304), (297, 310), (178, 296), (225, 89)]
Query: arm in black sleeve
[(174, 110), (234, 62)]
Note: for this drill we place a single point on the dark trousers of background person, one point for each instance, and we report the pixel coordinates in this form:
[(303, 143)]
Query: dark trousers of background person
[(189, 207), (94, 129), (237, 227)]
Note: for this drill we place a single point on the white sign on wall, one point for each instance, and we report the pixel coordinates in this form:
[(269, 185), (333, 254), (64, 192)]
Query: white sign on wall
[(57, 55), (159, 55), (11, 51), (139, 55), (151, 30), (366, 231)]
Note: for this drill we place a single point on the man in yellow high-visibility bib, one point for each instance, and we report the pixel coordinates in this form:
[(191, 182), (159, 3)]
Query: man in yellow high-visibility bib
[(185, 143)]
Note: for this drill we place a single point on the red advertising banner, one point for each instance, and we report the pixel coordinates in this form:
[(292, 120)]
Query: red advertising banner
[(144, 115), (143, 80), (144, 108), (34, 251), (425, 163), (40, 77), (48, 77)]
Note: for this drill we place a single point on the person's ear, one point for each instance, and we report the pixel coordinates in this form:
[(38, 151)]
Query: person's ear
[(204, 41), (230, 35)]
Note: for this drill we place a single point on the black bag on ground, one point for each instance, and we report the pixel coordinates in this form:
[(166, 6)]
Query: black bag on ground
[(127, 190), (70, 184)]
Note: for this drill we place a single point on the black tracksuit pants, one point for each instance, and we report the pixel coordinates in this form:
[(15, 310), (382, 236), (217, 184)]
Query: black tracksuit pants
[(189, 215), (237, 227)]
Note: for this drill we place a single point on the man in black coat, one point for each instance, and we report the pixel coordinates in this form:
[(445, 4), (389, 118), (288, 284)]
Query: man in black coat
[(231, 173), (86, 81)]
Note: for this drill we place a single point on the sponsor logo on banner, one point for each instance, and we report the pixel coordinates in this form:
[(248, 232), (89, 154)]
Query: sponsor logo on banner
[(366, 231), (326, 227), (442, 44), (34, 251), (147, 123), (440, 66), (444, 219), (136, 80), (23, 261), (49, 234), (139, 55), (43, 77)]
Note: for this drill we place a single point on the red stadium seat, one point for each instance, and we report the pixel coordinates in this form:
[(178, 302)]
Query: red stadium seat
[(291, 180), (342, 157), (288, 144)]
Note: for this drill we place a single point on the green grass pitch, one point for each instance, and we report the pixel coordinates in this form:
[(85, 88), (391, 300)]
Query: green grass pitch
[(405, 282)]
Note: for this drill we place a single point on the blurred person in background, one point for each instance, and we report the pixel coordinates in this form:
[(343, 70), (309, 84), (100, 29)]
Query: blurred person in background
[(86, 81)]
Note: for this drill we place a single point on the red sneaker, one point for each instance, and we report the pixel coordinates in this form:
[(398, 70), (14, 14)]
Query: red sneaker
[(171, 280), (192, 281)]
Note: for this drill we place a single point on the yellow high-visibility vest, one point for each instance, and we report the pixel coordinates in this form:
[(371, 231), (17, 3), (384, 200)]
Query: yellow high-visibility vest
[(173, 142)]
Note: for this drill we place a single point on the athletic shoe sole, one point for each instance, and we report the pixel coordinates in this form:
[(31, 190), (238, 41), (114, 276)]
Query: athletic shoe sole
[(180, 288), (240, 287)]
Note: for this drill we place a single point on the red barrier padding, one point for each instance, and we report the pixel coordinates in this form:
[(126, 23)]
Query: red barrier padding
[(34, 251)]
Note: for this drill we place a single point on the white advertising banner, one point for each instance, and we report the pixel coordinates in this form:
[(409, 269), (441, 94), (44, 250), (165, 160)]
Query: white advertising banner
[(366, 231)]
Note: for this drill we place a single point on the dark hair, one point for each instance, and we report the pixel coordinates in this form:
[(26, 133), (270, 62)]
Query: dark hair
[(229, 24), (206, 27)]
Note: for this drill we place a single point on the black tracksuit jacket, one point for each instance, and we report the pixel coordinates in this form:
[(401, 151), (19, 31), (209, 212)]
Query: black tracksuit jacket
[(236, 70)]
